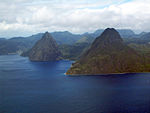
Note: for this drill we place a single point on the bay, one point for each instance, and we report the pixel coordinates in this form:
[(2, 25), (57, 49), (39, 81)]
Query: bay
[(42, 87)]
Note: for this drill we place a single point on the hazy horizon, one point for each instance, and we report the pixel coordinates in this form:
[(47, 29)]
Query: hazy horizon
[(65, 31)]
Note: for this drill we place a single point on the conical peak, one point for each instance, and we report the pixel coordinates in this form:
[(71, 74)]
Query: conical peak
[(47, 35), (111, 34), (45, 49), (110, 31), (109, 38)]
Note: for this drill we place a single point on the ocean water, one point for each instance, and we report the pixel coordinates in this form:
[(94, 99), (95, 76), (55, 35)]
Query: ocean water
[(42, 87)]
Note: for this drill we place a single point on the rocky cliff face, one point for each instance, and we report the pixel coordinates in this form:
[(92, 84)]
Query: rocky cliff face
[(109, 54), (45, 49)]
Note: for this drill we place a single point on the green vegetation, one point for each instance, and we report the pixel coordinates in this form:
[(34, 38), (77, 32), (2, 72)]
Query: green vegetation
[(22, 44), (73, 52), (46, 49), (109, 54)]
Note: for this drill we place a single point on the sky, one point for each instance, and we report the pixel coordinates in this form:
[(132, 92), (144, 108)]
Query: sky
[(27, 17)]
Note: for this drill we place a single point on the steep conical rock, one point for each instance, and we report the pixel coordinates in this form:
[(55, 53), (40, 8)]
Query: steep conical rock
[(108, 54), (46, 49)]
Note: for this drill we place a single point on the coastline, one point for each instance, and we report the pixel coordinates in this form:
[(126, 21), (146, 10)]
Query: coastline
[(104, 74)]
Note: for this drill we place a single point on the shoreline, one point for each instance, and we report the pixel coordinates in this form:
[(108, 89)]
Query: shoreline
[(101, 74)]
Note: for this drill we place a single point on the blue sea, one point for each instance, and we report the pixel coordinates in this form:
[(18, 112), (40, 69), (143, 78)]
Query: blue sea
[(42, 87)]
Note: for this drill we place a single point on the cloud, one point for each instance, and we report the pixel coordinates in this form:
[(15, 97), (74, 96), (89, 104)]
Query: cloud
[(24, 17)]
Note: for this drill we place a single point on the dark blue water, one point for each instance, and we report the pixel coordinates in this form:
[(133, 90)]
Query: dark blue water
[(42, 87)]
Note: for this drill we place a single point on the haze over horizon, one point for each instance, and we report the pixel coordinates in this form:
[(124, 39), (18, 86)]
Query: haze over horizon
[(24, 18)]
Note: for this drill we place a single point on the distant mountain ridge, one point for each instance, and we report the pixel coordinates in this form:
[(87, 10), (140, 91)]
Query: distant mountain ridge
[(20, 44), (125, 33)]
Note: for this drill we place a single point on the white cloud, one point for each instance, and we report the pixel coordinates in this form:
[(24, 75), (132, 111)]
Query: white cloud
[(25, 18)]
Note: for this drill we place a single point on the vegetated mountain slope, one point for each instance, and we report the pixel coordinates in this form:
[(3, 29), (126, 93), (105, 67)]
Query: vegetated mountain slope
[(109, 54), (21, 44), (46, 49), (73, 52)]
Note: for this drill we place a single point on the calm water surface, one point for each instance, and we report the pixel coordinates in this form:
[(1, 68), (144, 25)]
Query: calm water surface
[(42, 87)]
